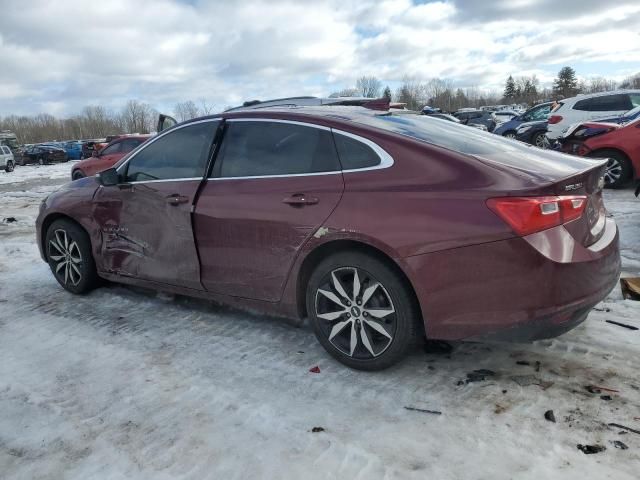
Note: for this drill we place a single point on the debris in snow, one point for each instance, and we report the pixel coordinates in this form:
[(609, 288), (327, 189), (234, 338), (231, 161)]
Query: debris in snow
[(317, 429), (630, 327), (299, 352), (617, 425), (477, 376), (630, 288), (538, 366), (549, 416), (589, 449), (437, 346), (504, 391), (526, 380), (620, 445), (9, 219), (522, 362), (499, 409), (605, 309), (598, 389), (423, 410), (315, 369), (605, 397)]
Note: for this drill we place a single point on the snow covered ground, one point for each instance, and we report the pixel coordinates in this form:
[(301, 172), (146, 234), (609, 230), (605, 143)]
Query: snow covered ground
[(129, 384)]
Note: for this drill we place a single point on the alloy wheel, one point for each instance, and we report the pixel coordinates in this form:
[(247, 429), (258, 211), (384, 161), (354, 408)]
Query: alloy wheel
[(9, 167), (510, 135), (65, 253), (541, 141), (356, 313), (613, 171)]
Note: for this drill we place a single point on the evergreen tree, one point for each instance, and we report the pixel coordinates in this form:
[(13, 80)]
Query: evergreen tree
[(387, 92), (510, 88), (566, 84)]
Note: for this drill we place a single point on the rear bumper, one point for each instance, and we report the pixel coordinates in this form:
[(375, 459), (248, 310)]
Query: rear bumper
[(518, 289)]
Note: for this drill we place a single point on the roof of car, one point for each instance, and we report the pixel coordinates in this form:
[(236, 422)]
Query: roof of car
[(582, 96)]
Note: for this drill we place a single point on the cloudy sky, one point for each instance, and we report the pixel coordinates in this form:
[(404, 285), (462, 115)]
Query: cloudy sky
[(59, 55)]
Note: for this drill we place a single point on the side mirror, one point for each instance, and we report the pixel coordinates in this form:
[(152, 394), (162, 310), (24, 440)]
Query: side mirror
[(108, 177)]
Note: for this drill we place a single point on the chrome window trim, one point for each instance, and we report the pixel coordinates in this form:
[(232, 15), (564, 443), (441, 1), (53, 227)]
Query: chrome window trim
[(386, 160), (159, 136)]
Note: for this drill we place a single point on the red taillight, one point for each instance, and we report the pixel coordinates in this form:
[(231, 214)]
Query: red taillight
[(553, 119), (527, 215)]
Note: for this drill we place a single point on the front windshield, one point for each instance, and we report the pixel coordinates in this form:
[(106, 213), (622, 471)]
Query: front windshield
[(11, 143), (633, 113)]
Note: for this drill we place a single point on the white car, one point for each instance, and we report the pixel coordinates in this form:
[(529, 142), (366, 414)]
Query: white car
[(6, 159), (502, 116), (589, 107)]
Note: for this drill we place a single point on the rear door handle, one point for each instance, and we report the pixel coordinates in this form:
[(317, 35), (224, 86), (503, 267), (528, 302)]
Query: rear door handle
[(176, 199), (300, 200)]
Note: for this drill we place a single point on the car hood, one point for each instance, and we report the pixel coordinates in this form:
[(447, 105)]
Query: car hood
[(508, 125)]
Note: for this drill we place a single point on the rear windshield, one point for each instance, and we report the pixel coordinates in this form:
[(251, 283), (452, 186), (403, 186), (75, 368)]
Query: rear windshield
[(471, 141)]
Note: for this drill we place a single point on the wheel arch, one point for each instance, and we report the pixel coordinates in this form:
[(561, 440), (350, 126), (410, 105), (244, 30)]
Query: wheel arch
[(324, 250), (46, 223), (616, 149)]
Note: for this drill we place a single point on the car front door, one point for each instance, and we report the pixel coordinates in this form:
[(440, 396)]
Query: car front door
[(146, 220), (273, 185)]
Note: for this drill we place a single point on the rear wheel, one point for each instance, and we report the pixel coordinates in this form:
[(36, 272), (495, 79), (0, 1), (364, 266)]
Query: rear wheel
[(69, 255), (22, 162), (619, 170), (77, 175), (9, 166), (361, 311), (41, 160), (540, 140)]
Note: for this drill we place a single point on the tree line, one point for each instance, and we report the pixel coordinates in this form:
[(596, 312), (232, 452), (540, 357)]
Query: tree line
[(138, 117), (96, 121), (441, 93)]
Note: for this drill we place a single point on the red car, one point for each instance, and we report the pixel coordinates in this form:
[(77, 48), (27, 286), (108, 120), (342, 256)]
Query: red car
[(380, 228), (107, 157), (619, 144)]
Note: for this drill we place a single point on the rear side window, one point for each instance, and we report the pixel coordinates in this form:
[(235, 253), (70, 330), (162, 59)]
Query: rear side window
[(181, 153), (605, 103), (129, 144), (354, 154), (256, 149), (115, 148)]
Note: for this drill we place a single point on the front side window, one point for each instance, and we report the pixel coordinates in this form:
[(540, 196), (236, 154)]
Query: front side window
[(257, 148), (181, 153), (354, 154)]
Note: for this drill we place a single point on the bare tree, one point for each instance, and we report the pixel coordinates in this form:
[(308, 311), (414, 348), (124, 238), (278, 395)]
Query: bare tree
[(138, 117), (345, 92), (205, 107), (186, 110), (368, 86)]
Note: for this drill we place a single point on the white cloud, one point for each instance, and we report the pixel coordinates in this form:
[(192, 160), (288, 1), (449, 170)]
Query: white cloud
[(58, 56)]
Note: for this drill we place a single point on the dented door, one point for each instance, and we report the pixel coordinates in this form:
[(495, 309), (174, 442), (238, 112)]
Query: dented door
[(146, 231)]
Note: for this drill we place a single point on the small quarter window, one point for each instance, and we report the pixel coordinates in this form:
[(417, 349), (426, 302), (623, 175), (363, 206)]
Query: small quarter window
[(355, 154)]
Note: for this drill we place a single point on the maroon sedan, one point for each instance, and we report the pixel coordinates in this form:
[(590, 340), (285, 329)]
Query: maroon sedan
[(378, 228)]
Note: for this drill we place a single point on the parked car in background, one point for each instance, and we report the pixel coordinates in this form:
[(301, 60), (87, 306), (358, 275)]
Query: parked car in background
[(7, 161), (107, 157), (88, 146), (42, 154), (73, 149), (619, 143), (624, 118), (590, 107), (476, 117), (502, 116), (444, 116), (370, 224), (510, 127), (533, 133)]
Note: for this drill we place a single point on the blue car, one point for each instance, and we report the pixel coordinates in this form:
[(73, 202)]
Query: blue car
[(510, 127), (624, 118), (74, 150)]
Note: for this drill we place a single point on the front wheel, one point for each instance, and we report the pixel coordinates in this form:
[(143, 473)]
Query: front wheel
[(77, 175), (540, 140), (511, 135), (361, 311), (41, 160), (8, 167), (69, 256)]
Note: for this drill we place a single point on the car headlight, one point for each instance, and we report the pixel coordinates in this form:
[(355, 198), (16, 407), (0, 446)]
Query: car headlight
[(524, 129)]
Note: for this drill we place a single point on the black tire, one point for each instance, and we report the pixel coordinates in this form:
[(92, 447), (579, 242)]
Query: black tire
[(42, 161), (619, 170), (81, 277), (509, 134), (9, 166), (77, 175), (22, 162), (403, 325), (538, 140)]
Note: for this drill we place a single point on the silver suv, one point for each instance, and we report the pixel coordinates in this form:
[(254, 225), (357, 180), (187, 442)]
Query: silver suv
[(6, 159)]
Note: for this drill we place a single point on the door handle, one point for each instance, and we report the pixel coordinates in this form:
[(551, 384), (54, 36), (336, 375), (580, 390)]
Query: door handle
[(176, 199), (300, 200)]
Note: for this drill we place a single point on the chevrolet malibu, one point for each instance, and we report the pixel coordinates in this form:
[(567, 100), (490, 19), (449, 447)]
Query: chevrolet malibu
[(378, 228)]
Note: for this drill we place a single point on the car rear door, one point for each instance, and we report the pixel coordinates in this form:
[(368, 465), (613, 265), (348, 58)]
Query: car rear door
[(273, 185), (146, 220)]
